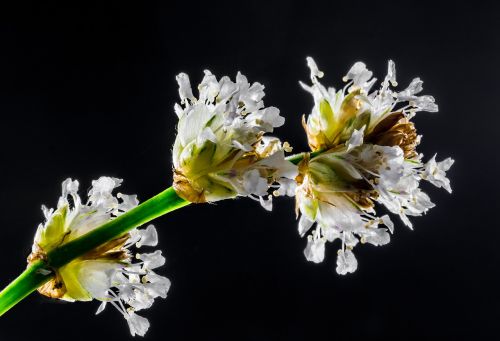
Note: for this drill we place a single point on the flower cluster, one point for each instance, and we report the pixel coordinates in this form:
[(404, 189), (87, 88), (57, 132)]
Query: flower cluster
[(220, 150), (108, 273), (367, 146)]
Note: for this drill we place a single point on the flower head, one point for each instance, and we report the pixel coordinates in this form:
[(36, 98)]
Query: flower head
[(368, 145), (220, 150), (108, 273)]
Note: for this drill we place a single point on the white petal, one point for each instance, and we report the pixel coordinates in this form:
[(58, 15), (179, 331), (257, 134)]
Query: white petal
[(359, 74), (141, 299), (178, 110), (245, 147), (158, 286), (209, 87), (304, 224), (267, 204), (207, 135), (105, 184), (315, 72), (315, 250), (69, 187), (148, 237), (152, 260), (95, 276), (426, 103), (253, 183), (356, 139), (128, 201), (391, 73), (346, 262), (414, 88), (376, 236), (185, 91), (287, 187), (101, 308), (388, 222), (349, 239), (138, 325)]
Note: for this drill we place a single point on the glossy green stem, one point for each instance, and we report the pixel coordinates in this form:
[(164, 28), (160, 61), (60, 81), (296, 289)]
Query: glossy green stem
[(153, 208), (296, 158), (23, 285)]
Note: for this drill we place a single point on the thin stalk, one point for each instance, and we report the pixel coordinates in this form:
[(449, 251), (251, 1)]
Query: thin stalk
[(40, 272), (31, 279), (296, 158), (163, 203)]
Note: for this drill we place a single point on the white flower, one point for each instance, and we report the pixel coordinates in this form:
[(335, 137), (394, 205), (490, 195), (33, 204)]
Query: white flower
[(107, 273), (435, 172), (220, 150), (315, 249), (137, 324), (367, 155)]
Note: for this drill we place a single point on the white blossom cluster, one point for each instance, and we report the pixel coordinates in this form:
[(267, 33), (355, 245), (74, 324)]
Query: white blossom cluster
[(111, 273), (368, 156), (221, 150)]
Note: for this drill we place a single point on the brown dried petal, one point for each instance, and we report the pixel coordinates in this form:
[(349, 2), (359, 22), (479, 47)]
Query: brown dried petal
[(185, 190), (54, 288)]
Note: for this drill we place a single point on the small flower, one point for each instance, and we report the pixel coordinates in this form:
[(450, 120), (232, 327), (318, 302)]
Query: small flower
[(435, 172), (368, 156), (220, 150), (108, 273)]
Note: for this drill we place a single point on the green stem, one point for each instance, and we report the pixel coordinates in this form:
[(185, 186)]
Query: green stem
[(23, 285), (296, 158), (153, 208), (38, 272)]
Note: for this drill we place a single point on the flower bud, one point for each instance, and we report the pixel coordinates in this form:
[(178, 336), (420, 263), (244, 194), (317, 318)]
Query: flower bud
[(220, 151), (107, 273)]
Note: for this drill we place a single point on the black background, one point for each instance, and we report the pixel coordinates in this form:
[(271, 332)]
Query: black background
[(88, 90)]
